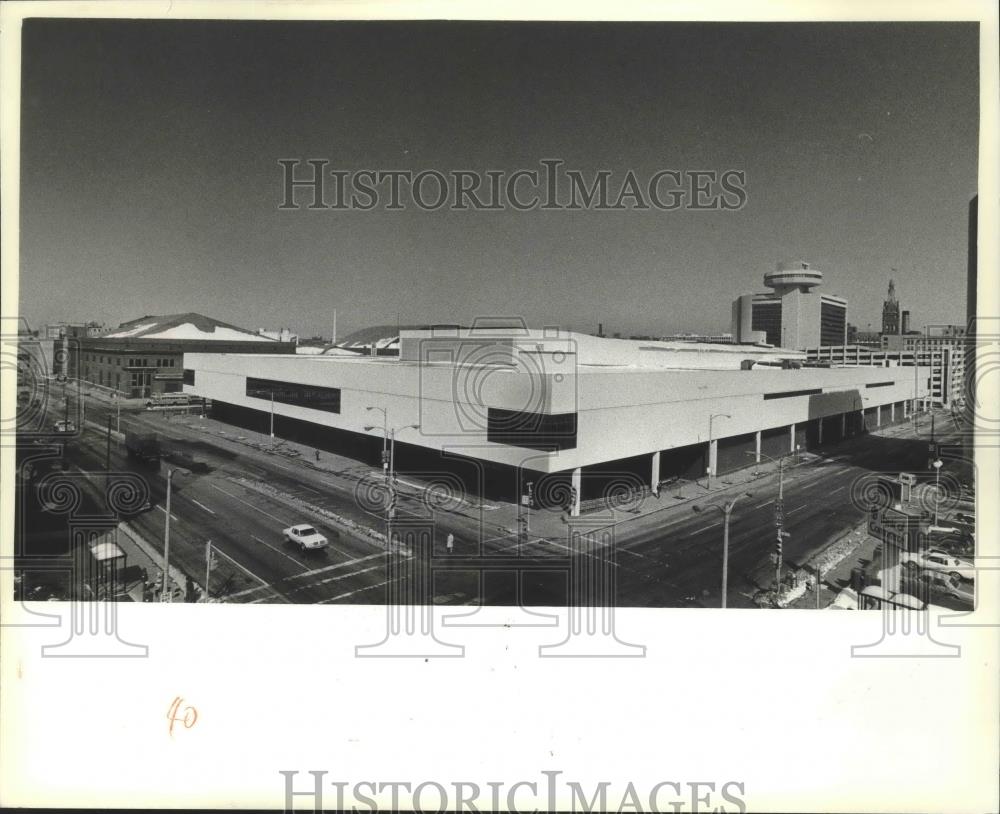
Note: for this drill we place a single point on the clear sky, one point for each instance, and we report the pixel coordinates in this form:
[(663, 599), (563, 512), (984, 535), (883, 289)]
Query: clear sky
[(151, 184)]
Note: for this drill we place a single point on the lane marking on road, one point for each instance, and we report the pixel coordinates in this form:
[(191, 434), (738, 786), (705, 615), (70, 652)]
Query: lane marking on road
[(201, 505), (798, 508), (172, 515), (838, 489), (325, 568), (263, 582), (357, 591), (557, 544), (248, 503), (277, 550), (246, 591), (341, 576), (765, 503), (706, 528)]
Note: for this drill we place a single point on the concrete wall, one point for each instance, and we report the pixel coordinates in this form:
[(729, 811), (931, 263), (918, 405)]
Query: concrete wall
[(621, 412)]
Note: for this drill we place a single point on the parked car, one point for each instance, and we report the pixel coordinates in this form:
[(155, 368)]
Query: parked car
[(305, 537), (934, 559), (937, 585), (64, 426), (956, 546)]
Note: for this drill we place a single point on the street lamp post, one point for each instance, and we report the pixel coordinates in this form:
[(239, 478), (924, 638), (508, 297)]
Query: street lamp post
[(392, 448), (165, 594), (272, 418), (727, 510), (779, 509), (711, 468), (780, 461), (390, 481), (107, 456), (938, 463), (385, 439)]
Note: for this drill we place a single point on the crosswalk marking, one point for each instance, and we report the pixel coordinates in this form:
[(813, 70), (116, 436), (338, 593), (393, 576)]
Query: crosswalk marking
[(325, 568), (356, 591)]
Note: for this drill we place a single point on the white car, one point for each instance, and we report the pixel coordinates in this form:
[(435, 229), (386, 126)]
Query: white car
[(305, 537), (62, 426), (934, 559)]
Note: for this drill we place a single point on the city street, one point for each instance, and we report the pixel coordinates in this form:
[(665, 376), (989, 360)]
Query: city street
[(241, 495)]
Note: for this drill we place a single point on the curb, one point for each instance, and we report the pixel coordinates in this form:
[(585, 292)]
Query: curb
[(179, 577)]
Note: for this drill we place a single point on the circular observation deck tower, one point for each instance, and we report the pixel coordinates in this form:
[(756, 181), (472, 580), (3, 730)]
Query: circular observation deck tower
[(789, 276)]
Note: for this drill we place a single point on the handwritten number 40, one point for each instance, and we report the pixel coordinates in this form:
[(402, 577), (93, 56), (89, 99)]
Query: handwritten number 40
[(188, 717)]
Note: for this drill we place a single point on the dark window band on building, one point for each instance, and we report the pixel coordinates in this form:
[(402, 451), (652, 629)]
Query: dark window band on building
[(188, 376), (833, 323), (880, 384), (766, 316), (787, 394), (531, 430), (298, 395)]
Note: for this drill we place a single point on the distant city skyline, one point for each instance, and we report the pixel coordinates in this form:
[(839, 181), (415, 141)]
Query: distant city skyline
[(151, 183)]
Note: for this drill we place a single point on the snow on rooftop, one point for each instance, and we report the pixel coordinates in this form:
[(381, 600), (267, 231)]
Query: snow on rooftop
[(131, 331), (188, 330)]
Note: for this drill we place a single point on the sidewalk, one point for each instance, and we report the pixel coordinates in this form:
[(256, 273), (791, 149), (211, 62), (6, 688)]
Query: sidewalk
[(504, 517), (545, 523), (839, 576), (140, 552)]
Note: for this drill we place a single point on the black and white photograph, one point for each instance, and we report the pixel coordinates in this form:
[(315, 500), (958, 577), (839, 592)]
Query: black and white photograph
[(558, 322)]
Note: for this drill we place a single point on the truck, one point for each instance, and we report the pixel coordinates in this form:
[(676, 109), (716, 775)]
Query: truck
[(144, 446)]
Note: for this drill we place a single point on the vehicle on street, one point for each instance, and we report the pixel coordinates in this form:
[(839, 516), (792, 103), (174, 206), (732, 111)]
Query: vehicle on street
[(173, 400), (956, 546), (935, 585), (875, 597), (63, 426), (305, 537), (145, 446), (962, 517), (934, 559)]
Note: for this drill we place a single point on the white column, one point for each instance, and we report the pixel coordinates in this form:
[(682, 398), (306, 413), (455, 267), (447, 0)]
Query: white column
[(892, 413), (878, 416), (713, 456), (654, 475), (757, 443), (791, 438), (574, 510), (819, 435)]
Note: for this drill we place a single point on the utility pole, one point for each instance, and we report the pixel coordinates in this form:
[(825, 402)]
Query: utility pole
[(390, 508), (272, 418), (165, 594), (938, 463), (208, 567), (727, 510), (107, 457)]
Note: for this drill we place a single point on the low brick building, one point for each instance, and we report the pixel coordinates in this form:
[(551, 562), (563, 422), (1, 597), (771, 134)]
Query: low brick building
[(145, 356)]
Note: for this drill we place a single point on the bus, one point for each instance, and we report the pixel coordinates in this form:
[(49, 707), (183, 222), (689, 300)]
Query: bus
[(173, 400)]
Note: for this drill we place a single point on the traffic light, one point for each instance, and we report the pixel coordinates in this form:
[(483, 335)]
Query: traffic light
[(777, 546)]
